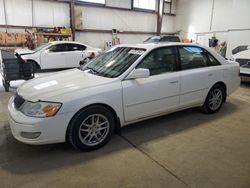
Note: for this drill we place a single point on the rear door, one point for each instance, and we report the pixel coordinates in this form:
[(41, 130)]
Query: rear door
[(197, 75), (159, 93), (54, 57), (74, 55)]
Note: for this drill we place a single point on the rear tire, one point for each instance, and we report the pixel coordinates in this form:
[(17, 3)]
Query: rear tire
[(6, 85), (215, 99), (91, 128)]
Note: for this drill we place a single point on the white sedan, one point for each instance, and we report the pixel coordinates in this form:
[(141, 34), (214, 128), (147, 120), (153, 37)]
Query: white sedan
[(58, 54), (127, 84)]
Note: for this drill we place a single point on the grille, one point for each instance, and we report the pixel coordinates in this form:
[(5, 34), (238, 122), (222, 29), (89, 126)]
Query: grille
[(242, 61), (244, 75), (18, 101)]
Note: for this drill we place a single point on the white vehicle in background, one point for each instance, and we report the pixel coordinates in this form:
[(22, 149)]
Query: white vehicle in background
[(58, 54), (126, 84), (243, 58)]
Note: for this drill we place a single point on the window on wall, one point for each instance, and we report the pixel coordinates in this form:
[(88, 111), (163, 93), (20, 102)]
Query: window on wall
[(145, 4), (94, 1)]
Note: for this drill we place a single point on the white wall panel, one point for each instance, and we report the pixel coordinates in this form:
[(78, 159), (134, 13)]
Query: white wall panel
[(222, 17), (240, 14), (61, 14), (19, 12), (168, 24), (2, 18), (99, 39), (101, 18), (193, 14), (51, 14)]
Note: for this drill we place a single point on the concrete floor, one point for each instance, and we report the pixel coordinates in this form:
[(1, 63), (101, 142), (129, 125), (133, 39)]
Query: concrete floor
[(184, 149)]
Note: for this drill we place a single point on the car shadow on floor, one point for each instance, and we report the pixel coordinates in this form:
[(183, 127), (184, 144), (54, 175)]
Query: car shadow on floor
[(19, 158)]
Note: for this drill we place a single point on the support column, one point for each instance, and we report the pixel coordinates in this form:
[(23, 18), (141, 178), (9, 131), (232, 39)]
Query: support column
[(160, 16), (72, 18)]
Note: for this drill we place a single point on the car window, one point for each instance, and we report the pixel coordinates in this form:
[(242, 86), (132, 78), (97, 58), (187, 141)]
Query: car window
[(114, 61), (192, 57), (153, 39), (160, 61), (76, 47), (58, 48), (212, 60), (170, 39)]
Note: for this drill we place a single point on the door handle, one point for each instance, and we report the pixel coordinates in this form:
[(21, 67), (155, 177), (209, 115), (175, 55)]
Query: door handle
[(210, 74), (174, 82)]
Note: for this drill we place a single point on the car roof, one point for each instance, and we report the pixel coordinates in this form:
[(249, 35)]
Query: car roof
[(65, 42), (149, 46)]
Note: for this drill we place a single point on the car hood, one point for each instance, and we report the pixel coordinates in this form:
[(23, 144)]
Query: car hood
[(46, 87), (24, 51)]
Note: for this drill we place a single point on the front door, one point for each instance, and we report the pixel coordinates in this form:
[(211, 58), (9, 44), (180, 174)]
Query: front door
[(54, 57), (156, 94)]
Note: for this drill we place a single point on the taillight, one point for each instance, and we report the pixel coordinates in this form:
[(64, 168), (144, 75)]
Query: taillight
[(91, 54)]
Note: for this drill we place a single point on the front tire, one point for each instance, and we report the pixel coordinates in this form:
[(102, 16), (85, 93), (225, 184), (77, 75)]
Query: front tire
[(91, 128), (35, 67), (214, 101)]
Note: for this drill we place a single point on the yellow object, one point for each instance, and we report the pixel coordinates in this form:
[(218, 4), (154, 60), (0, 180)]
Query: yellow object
[(2, 38), (66, 31), (51, 110)]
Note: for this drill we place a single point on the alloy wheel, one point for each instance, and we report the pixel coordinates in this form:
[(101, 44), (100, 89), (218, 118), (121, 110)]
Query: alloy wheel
[(215, 99), (94, 129)]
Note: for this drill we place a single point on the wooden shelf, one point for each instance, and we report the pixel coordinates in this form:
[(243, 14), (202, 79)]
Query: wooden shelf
[(54, 34)]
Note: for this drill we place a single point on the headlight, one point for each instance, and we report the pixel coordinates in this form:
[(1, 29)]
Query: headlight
[(40, 109)]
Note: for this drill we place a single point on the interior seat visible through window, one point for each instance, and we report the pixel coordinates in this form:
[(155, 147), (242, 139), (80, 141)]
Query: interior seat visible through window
[(160, 61)]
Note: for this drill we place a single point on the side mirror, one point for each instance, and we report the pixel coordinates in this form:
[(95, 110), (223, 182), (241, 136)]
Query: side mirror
[(138, 73), (46, 51), (84, 61)]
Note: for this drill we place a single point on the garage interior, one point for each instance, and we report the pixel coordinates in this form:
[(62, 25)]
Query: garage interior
[(182, 149)]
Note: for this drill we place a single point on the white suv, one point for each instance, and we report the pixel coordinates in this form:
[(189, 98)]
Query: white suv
[(58, 54)]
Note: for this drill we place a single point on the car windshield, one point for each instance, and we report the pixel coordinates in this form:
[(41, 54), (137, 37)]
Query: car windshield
[(114, 61), (153, 39), (41, 47)]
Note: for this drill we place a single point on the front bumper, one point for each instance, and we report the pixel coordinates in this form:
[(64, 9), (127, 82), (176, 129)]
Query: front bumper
[(51, 130)]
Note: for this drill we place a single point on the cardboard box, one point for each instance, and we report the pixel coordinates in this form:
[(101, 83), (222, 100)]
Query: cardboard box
[(10, 38), (2, 38), (66, 31), (20, 38), (78, 19)]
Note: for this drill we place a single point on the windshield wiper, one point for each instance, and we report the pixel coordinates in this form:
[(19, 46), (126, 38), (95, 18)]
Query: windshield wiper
[(93, 71)]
